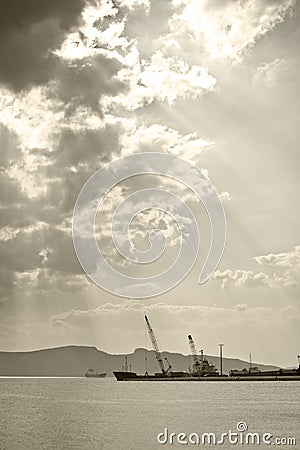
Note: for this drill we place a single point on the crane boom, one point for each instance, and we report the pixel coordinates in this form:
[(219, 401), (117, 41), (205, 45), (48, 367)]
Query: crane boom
[(197, 363), (154, 343)]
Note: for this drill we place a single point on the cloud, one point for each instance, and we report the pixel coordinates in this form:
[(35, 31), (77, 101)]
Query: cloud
[(48, 141), (241, 307), (33, 116), (42, 236), (243, 278), (247, 278), (225, 196), (52, 135), (29, 31), (9, 147), (161, 78), (131, 311), (284, 260), (270, 72), (132, 4), (85, 82), (136, 306), (39, 259), (287, 275), (45, 281), (160, 138), (225, 29)]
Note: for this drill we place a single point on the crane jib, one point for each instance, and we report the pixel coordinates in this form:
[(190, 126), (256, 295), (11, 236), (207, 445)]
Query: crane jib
[(155, 346)]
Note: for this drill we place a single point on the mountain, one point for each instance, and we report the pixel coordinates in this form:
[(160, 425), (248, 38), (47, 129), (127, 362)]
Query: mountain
[(73, 361)]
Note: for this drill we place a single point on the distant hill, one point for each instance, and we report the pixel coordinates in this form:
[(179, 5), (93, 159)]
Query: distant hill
[(73, 361)]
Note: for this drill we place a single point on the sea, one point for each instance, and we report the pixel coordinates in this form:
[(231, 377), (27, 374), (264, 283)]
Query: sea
[(94, 414)]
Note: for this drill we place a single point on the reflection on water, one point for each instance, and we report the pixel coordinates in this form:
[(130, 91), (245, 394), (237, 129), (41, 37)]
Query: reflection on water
[(80, 413)]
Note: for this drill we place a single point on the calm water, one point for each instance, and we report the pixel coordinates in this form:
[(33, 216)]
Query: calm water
[(79, 413)]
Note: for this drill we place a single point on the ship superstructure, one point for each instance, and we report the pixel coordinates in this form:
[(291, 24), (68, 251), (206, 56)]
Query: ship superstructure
[(201, 366)]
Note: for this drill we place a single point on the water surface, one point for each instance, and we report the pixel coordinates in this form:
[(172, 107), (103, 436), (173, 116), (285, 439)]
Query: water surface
[(80, 413)]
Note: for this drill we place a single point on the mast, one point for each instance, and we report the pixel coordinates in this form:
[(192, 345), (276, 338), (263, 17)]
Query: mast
[(196, 364), (155, 346), (221, 358)]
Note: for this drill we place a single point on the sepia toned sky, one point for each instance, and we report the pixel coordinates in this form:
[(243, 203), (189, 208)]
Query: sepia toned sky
[(217, 83)]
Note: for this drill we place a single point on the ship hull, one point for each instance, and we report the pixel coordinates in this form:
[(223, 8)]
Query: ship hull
[(132, 376)]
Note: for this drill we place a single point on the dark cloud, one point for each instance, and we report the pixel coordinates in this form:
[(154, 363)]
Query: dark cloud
[(29, 30), (91, 146), (22, 253), (39, 248), (11, 194), (84, 82), (61, 255), (9, 148)]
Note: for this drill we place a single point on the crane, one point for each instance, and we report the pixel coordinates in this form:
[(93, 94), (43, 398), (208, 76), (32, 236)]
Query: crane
[(169, 369), (197, 362), (154, 343)]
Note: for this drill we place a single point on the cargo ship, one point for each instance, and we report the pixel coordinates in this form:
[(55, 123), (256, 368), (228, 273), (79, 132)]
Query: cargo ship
[(90, 373), (202, 370), (254, 372), (234, 375)]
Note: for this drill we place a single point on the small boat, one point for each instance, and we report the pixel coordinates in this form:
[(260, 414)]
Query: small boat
[(90, 373)]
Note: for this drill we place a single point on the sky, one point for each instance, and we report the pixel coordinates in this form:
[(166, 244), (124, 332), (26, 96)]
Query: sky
[(83, 83)]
